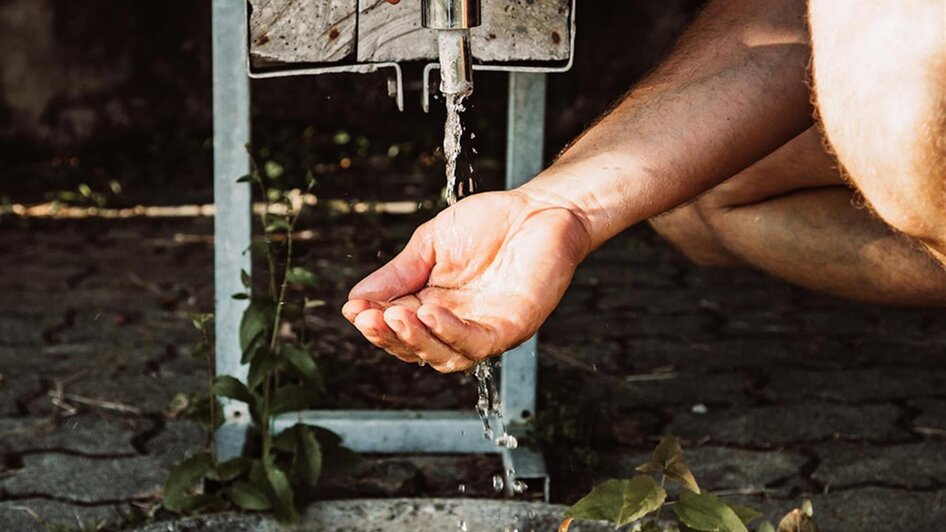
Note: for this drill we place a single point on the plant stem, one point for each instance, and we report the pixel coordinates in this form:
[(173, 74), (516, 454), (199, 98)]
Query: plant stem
[(663, 482), (210, 394)]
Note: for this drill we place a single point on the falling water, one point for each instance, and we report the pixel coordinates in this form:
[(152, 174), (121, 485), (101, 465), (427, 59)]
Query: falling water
[(488, 402), (452, 133)]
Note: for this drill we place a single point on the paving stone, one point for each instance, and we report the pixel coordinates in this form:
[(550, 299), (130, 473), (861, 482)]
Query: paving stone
[(881, 509), (932, 414), (86, 480), (15, 515), (758, 323), (395, 515), (787, 423), (87, 434), (689, 388), (148, 393), (178, 439), (856, 385), (912, 465), (723, 468)]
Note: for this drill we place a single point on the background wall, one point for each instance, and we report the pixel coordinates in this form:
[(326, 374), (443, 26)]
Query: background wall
[(100, 90)]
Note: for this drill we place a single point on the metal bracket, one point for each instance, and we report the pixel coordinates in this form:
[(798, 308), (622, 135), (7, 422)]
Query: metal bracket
[(538, 69), (365, 431)]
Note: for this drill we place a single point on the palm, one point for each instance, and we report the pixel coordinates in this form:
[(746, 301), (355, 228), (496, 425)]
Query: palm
[(476, 280)]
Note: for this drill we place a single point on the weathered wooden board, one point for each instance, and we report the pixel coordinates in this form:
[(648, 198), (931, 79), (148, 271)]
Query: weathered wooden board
[(302, 31), (512, 30), (316, 31)]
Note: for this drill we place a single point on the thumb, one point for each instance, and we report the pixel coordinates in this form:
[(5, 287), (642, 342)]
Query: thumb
[(404, 274)]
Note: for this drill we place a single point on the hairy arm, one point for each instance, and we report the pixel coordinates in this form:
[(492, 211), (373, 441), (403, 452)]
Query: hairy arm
[(732, 91)]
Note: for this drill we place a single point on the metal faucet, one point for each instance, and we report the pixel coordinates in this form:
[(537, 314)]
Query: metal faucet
[(453, 19)]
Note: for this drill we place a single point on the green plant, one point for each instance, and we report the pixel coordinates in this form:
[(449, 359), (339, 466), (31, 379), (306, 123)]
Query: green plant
[(85, 196), (629, 501), (283, 377)]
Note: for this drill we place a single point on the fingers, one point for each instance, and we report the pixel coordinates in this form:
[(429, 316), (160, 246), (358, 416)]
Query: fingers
[(414, 335), (473, 339), (404, 274), (371, 324)]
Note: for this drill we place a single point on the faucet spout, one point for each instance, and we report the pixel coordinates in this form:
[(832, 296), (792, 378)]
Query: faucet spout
[(453, 19)]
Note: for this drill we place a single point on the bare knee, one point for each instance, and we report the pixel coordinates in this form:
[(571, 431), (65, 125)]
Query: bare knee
[(685, 228)]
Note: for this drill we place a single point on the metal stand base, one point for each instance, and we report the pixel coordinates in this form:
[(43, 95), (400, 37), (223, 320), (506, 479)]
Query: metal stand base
[(363, 431)]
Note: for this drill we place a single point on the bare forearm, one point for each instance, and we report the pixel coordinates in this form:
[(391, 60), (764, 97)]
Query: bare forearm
[(732, 91)]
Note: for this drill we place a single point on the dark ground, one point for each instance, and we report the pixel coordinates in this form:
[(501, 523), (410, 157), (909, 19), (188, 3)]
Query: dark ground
[(779, 394)]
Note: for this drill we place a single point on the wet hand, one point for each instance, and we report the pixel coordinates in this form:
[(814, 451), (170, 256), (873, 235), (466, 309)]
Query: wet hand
[(475, 281)]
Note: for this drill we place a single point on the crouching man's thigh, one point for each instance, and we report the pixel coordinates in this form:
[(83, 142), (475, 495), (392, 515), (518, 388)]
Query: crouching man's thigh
[(880, 82)]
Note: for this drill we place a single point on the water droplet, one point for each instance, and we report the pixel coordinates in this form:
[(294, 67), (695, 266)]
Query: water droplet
[(699, 409), (461, 488), (461, 525), (498, 482)]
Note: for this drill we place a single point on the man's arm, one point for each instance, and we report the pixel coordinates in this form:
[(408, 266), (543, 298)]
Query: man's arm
[(732, 91), (483, 275)]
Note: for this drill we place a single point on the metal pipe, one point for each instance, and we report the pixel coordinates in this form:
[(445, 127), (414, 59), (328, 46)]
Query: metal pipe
[(453, 19)]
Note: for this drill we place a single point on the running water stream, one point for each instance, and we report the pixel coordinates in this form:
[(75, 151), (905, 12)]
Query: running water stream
[(488, 402)]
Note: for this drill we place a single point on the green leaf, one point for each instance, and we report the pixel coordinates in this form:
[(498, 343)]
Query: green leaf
[(797, 521), (201, 318), (183, 477), (765, 526), (807, 508), (309, 179), (260, 365), (249, 178), (650, 526), (245, 279), (257, 320), (259, 246), (281, 494), (227, 386), (338, 460), (292, 398), (248, 496), (620, 501), (314, 303), (256, 348), (705, 512), (277, 225), (301, 276), (668, 459), (307, 462), (229, 470), (746, 515), (302, 362), (273, 169)]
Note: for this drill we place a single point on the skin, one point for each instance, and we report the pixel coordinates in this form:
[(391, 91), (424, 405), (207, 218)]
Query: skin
[(483, 275), (793, 215)]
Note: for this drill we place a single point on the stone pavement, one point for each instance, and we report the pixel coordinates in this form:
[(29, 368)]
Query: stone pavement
[(778, 394)]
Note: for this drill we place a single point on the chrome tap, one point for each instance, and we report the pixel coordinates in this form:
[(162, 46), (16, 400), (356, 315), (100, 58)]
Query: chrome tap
[(453, 19)]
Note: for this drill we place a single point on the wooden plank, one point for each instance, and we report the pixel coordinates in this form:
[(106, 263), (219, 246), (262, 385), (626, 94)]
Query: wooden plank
[(302, 31), (512, 30)]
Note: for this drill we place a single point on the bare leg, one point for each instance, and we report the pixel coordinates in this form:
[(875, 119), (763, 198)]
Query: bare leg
[(880, 78), (792, 216)]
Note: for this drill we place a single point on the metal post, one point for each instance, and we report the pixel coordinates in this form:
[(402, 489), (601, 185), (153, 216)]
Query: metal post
[(524, 141), (231, 123)]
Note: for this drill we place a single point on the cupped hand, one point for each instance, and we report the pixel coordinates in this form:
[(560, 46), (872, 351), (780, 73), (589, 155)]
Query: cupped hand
[(477, 280)]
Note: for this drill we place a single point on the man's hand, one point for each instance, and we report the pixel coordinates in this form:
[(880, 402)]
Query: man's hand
[(473, 282)]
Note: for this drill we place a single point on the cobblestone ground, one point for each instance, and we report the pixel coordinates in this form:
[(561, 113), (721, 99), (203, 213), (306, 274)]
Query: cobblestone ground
[(778, 394)]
